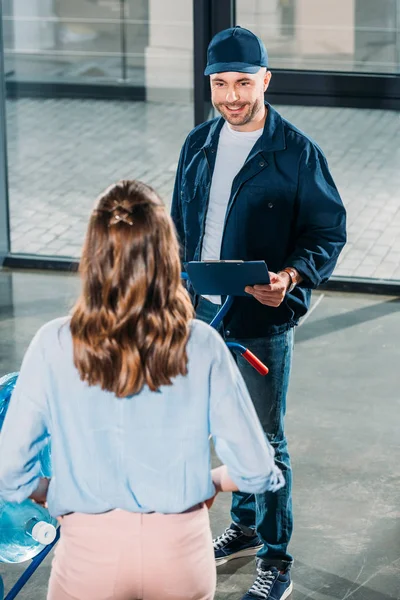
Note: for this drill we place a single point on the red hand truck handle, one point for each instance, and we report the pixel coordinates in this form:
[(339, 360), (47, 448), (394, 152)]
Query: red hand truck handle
[(255, 362)]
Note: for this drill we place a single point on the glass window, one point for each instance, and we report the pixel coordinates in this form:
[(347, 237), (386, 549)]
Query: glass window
[(328, 35), (363, 154), (49, 40), (361, 145), (62, 152)]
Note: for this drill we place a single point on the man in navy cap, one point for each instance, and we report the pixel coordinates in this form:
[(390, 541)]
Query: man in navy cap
[(251, 186)]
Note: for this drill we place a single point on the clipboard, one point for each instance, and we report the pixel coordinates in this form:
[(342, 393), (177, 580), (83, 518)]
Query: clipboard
[(226, 277)]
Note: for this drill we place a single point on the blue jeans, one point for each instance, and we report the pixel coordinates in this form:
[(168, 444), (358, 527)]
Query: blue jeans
[(269, 513)]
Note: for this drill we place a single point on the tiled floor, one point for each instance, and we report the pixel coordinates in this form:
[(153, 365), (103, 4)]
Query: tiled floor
[(342, 427), (62, 153)]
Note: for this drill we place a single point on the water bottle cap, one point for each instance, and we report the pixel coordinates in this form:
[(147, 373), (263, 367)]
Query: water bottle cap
[(44, 533)]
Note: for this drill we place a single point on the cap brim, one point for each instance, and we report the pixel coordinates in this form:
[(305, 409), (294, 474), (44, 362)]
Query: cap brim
[(233, 67)]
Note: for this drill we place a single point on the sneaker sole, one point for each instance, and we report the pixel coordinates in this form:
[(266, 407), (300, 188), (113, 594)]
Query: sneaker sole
[(240, 554), (287, 592)]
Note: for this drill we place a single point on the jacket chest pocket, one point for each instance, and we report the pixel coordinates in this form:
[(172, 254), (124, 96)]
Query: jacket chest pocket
[(269, 200), (188, 191), (195, 180)]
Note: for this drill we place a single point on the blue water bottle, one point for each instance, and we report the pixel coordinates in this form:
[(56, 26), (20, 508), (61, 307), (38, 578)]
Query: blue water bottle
[(7, 384), (25, 529)]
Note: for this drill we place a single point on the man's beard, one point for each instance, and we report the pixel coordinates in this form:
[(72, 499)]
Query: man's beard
[(244, 117)]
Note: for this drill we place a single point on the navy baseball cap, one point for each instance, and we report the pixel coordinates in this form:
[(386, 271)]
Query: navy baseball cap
[(235, 49)]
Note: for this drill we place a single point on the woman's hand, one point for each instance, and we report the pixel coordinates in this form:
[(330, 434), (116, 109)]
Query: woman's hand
[(40, 494)]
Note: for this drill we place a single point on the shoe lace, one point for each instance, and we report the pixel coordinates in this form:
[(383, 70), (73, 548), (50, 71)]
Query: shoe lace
[(263, 584), (228, 536)]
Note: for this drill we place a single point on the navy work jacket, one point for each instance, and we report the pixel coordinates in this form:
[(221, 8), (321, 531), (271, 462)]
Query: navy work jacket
[(284, 208)]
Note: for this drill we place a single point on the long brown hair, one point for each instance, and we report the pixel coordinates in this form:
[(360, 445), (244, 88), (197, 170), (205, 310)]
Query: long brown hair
[(131, 322)]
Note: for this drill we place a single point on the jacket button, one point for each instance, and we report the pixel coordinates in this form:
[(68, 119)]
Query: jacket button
[(270, 205), (262, 163), (227, 333)]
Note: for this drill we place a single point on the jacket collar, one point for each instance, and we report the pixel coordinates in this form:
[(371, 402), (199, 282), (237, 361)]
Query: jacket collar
[(271, 140)]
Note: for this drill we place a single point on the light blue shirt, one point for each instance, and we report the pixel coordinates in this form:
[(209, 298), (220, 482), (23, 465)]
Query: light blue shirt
[(147, 452)]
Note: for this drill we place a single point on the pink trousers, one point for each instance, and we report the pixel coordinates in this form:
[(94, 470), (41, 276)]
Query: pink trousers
[(129, 556)]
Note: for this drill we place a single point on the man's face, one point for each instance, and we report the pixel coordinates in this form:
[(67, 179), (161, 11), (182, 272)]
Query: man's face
[(239, 97)]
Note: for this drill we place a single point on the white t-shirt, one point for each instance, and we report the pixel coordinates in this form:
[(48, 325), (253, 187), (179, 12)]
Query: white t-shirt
[(233, 149)]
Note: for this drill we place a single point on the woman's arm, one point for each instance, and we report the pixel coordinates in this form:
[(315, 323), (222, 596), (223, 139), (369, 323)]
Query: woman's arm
[(24, 433), (222, 483), (238, 437)]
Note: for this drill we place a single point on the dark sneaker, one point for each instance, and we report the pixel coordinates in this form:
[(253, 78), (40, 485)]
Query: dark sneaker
[(270, 584), (233, 543)]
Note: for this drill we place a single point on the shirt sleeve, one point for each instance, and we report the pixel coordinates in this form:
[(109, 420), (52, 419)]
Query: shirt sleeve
[(238, 437), (176, 206), (321, 221), (24, 433)]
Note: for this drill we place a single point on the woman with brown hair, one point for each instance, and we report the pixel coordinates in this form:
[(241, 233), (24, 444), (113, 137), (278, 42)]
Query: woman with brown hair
[(129, 389)]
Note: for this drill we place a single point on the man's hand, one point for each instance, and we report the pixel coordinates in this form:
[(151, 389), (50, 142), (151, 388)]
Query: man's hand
[(274, 293)]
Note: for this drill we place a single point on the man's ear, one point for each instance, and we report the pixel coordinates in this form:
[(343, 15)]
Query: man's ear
[(267, 80)]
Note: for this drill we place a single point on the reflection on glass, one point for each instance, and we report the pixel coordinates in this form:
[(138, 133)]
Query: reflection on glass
[(63, 152), (75, 39), (333, 35), (361, 147)]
